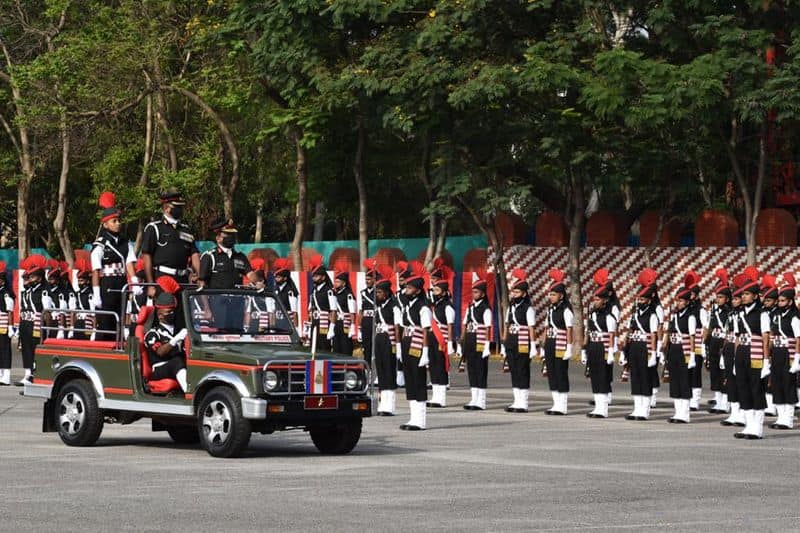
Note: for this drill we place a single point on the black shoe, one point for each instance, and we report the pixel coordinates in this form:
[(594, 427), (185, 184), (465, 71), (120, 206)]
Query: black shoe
[(725, 423), (510, 409), (413, 428), (641, 418), (384, 413), (672, 420), (775, 425), (752, 437), (739, 435), (591, 402), (739, 424), (631, 417), (679, 421), (405, 427), (712, 402), (432, 404), (694, 409), (469, 407), (556, 413)]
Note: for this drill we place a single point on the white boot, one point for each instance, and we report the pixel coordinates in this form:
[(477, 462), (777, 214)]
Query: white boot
[(422, 415), (392, 401), (481, 403), (401, 379), (686, 410), (722, 405), (600, 406), (757, 431), (473, 401), (609, 397), (5, 376), (780, 423), (27, 379), (180, 377), (523, 399), (554, 407), (789, 416), (676, 404), (770, 411), (438, 396), (385, 402), (694, 403), (412, 414), (637, 407), (381, 401), (562, 402), (798, 401), (654, 397), (748, 424), (740, 419), (516, 403), (645, 408)]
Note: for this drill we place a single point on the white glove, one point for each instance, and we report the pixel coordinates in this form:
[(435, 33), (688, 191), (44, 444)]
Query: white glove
[(136, 289), (652, 360), (722, 363), (71, 334), (568, 353), (734, 369), (331, 332), (451, 348), (610, 358), (486, 351), (360, 337), (584, 357), (125, 333), (96, 299), (703, 350), (692, 362), (503, 350), (60, 334), (178, 337), (9, 302), (458, 350), (661, 359), (766, 369), (12, 332), (423, 359), (398, 351), (795, 368), (541, 352)]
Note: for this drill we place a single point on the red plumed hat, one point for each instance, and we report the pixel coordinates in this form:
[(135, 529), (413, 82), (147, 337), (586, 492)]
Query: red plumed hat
[(53, 268), (600, 276), (401, 267), (788, 290), (415, 274), (108, 204), (315, 265), (648, 276), (282, 265), (723, 285), (769, 286), (519, 279), (34, 264), (341, 270), (258, 263), (84, 268), (166, 299), (384, 276), (369, 266), (558, 281)]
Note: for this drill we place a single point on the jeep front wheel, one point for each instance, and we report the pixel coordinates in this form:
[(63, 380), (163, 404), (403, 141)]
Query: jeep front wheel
[(224, 432), (77, 415), (337, 439)]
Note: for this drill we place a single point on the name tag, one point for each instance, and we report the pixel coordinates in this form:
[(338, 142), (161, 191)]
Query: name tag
[(238, 264), (186, 236)]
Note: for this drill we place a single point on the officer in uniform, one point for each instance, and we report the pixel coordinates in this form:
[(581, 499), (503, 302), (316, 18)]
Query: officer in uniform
[(366, 309), (34, 299), (641, 346), (681, 354), (285, 289), (601, 327), (168, 246), (475, 340), (736, 417), (164, 341), (714, 340), (113, 263), (769, 299), (518, 346), (321, 305), (344, 329), (785, 336), (416, 321), (557, 348), (691, 281), (402, 272), (387, 341), (440, 338), (6, 325), (751, 366), (83, 302)]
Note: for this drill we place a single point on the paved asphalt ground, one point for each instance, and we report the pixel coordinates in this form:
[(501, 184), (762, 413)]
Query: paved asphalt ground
[(471, 471)]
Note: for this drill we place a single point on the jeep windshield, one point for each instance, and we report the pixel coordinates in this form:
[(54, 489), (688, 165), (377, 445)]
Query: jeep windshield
[(240, 316)]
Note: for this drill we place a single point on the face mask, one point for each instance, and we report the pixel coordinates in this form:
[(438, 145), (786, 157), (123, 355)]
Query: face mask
[(228, 241), (168, 318), (176, 212)]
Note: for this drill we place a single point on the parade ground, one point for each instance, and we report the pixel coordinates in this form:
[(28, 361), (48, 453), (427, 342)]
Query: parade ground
[(470, 471)]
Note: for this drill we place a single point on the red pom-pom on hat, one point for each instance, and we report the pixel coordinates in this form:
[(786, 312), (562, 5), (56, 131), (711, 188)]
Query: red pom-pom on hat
[(107, 200), (168, 284)]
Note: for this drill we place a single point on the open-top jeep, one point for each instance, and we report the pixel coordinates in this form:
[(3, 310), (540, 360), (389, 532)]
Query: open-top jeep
[(246, 370)]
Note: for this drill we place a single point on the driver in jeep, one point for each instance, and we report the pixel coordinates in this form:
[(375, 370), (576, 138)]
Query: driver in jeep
[(165, 346)]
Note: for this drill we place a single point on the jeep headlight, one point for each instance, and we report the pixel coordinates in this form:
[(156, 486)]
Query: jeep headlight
[(271, 381), (350, 380)]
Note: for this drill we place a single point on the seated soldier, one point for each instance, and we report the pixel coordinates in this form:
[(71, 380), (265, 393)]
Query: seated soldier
[(165, 346)]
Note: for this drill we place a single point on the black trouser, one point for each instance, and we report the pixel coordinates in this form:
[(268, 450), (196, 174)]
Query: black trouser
[(609, 372), (598, 368), (638, 355), (323, 343), (557, 368), (385, 362), (696, 373), (477, 365), (112, 302), (679, 386), (28, 342), (5, 351), (783, 383), (730, 380), (168, 369), (518, 363), (416, 377), (438, 362), (714, 352), (341, 342), (749, 384), (366, 338)]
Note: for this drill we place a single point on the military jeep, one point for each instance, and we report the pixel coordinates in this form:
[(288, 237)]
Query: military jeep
[(247, 371)]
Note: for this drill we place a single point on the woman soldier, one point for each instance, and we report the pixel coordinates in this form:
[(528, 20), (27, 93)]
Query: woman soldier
[(641, 347), (680, 354), (785, 354), (475, 345), (601, 328), (736, 417), (416, 322), (387, 317), (444, 317), (558, 343), (518, 345), (715, 338)]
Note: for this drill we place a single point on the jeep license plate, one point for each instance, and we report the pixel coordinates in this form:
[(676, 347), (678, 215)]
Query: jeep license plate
[(321, 402)]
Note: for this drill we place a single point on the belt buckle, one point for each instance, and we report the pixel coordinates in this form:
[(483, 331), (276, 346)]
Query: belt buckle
[(551, 333), (513, 329), (744, 338)]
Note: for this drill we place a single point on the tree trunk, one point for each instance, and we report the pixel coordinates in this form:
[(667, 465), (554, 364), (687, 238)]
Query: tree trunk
[(59, 222), (319, 220), (358, 174), (759, 193), (752, 205), (161, 117), (441, 238), (576, 222), (259, 220), (433, 220), (146, 162), (301, 174)]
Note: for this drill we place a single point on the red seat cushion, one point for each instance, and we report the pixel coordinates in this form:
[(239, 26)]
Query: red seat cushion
[(80, 343), (158, 386)]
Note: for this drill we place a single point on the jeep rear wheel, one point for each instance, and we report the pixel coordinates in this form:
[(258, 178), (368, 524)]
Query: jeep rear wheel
[(184, 434), (77, 415), (223, 430), (337, 439)]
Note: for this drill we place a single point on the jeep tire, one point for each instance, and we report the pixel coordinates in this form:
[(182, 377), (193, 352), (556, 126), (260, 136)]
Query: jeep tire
[(184, 434), (77, 416), (223, 430), (336, 439)]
